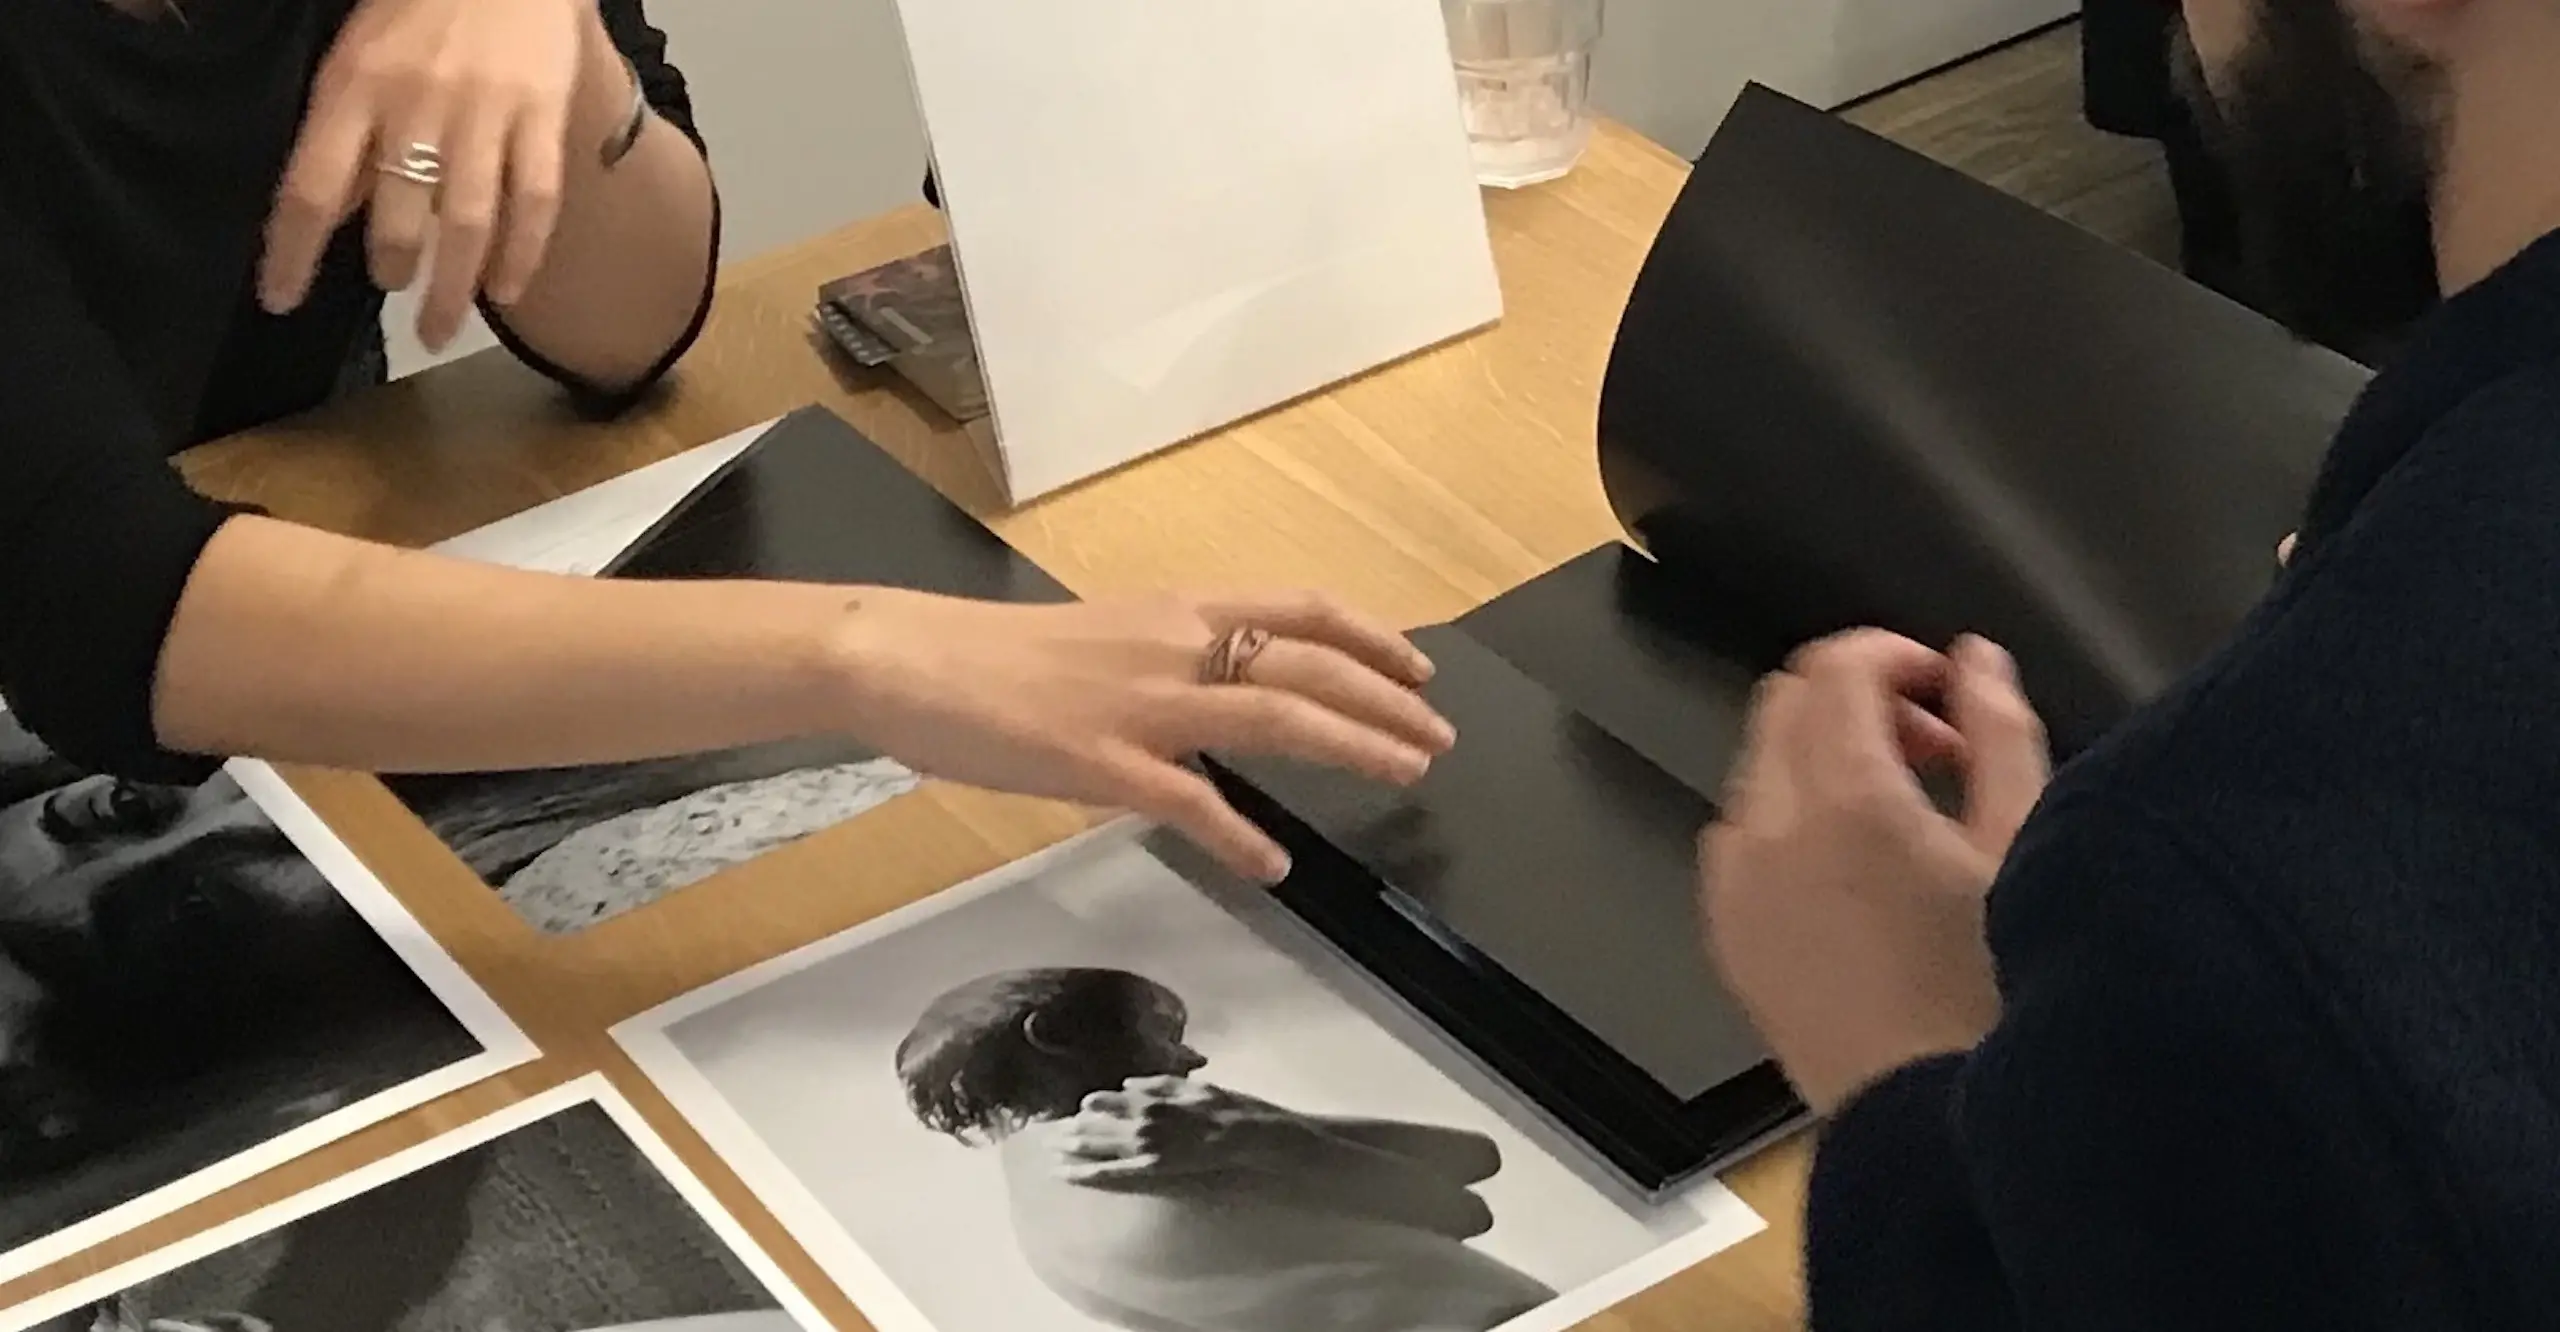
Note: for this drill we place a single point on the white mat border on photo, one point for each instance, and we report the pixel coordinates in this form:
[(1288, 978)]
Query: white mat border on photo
[(503, 1045), (591, 1089), (583, 531), (1724, 1219), (577, 533)]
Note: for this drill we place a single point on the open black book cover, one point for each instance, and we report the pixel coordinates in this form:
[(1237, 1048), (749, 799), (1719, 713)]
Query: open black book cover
[(1851, 387)]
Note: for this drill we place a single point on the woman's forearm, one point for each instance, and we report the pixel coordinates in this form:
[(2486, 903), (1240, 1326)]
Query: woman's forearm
[(631, 253), (296, 645)]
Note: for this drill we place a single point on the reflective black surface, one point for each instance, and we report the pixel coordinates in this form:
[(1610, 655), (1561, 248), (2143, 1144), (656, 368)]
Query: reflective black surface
[(1555, 852), (1658, 661), (1855, 387), (813, 500)]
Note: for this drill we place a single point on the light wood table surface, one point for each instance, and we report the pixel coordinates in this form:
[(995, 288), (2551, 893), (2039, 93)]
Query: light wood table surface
[(1416, 492)]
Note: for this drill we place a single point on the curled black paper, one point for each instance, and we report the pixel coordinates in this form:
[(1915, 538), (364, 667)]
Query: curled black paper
[(1853, 387)]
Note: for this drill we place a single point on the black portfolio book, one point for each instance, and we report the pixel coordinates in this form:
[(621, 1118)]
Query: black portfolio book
[(1851, 387)]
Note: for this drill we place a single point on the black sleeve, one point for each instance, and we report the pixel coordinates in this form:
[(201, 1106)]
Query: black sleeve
[(2164, 1132), (98, 534), (663, 85)]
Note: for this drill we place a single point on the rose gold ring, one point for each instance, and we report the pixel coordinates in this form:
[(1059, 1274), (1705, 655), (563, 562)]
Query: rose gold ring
[(1227, 660)]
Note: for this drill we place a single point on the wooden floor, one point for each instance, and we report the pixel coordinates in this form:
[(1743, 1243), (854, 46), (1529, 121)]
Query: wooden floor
[(2012, 119)]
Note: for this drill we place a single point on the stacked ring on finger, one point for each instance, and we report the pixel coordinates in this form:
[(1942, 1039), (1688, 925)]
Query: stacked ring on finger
[(1226, 660), (422, 164)]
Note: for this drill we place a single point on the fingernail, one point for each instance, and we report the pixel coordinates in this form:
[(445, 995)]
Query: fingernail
[(1276, 869), (1989, 656), (1443, 735), (1424, 668)]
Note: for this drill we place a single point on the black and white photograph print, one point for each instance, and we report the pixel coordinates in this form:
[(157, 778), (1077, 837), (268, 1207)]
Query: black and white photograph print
[(572, 847), (197, 983), (563, 1213), (1106, 1089)]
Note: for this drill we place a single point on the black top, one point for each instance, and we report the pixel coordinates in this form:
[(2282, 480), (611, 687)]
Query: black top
[(2280, 1047), (138, 163)]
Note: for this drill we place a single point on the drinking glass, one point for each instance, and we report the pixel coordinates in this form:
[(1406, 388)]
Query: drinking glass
[(1524, 78)]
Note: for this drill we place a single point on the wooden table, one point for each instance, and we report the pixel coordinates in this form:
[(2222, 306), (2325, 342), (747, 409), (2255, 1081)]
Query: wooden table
[(1416, 492)]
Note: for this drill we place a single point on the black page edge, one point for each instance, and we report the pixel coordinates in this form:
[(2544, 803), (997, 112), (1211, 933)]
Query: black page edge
[(684, 507)]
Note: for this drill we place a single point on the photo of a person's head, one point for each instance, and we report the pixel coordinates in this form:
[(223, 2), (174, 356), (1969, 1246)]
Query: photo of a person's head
[(1151, 1198), (163, 949), (1019, 1048), (1108, 1088)]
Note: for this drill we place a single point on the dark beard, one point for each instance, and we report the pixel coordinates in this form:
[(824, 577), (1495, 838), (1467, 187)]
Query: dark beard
[(2331, 170)]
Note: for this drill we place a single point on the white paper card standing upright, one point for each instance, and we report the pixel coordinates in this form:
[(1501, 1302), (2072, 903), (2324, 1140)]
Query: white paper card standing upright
[(1168, 217)]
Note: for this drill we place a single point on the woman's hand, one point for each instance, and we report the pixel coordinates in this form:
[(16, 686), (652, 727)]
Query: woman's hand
[(1102, 702), (448, 116)]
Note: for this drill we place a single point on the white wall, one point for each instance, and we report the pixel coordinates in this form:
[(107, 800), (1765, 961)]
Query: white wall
[(1671, 68), (812, 123)]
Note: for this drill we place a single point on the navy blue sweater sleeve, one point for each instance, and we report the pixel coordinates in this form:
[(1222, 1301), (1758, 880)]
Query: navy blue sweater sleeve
[(1892, 1236), (2162, 1133), (98, 535), (663, 86)]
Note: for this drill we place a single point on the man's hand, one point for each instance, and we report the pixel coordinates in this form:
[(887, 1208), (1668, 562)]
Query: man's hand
[(1845, 910), (471, 99), (1156, 1128)]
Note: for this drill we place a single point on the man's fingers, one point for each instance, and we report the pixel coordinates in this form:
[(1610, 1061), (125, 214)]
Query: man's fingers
[(1927, 740), (2004, 742), (532, 210), (1343, 683), (1318, 618), (1856, 683), (323, 185), (1185, 801), (1258, 719), (466, 216)]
